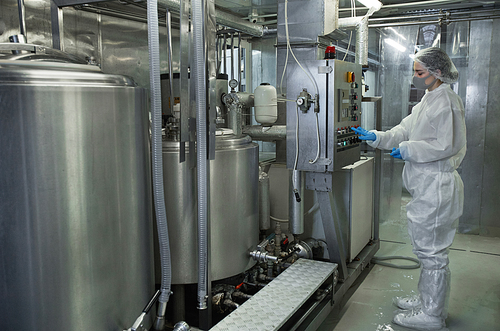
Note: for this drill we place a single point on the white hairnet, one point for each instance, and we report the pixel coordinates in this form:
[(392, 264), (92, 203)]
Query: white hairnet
[(433, 59)]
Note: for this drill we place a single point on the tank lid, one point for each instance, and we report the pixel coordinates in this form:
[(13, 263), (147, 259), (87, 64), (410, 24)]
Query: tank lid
[(35, 65), (222, 142), (36, 53)]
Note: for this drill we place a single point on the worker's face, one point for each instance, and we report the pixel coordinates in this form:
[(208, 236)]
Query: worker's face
[(421, 72)]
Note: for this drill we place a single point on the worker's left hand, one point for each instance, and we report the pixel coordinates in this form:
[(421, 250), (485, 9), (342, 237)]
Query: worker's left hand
[(396, 153)]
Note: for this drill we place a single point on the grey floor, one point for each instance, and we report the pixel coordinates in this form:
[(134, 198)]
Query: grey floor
[(475, 285)]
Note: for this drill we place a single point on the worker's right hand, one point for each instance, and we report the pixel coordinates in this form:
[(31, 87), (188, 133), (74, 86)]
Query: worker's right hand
[(365, 135)]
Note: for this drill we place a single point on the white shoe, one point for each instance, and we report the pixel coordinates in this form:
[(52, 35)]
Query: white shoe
[(418, 320), (408, 302)]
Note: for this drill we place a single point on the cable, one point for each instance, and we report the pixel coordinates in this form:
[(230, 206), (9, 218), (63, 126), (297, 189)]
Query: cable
[(353, 13), (318, 140), (379, 259), (296, 146), (278, 219), (291, 51)]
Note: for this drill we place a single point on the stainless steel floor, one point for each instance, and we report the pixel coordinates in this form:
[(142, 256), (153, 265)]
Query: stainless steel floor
[(475, 285)]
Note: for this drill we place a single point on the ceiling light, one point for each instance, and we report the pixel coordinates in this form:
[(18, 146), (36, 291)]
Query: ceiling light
[(395, 45)]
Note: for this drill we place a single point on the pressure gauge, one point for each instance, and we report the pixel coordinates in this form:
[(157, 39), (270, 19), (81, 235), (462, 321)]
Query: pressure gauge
[(233, 83)]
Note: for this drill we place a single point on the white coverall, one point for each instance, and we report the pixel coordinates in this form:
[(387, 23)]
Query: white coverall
[(432, 142)]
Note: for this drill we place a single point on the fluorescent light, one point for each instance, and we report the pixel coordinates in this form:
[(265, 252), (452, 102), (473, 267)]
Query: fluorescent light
[(395, 45), (397, 34)]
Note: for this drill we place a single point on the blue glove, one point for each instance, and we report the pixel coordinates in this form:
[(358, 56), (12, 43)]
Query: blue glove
[(396, 153), (365, 135)]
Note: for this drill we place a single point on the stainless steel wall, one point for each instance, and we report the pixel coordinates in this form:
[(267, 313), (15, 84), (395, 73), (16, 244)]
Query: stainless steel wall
[(480, 170), (120, 46), (474, 48), (75, 201)]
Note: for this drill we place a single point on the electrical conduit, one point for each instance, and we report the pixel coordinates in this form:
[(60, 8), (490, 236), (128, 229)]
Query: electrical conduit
[(156, 139)]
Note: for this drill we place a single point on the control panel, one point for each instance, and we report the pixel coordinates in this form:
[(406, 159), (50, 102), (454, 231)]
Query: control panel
[(323, 115)]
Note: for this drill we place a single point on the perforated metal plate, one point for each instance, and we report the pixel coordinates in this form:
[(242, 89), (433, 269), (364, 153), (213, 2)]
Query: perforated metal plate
[(272, 306)]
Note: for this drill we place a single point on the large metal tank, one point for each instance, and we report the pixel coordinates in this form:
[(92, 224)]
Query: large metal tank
[(234, 209), (75, 198)]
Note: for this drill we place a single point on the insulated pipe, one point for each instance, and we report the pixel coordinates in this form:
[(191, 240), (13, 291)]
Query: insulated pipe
[(362, 42), (266, 133), (200, 81), (223, 18), (360, 23), (296, 209), (156, 147)]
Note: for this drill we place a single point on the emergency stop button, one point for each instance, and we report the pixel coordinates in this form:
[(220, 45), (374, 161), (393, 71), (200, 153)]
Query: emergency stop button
[(350, 77)]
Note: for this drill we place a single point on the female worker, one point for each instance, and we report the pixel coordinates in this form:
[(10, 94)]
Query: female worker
[(432, 142)]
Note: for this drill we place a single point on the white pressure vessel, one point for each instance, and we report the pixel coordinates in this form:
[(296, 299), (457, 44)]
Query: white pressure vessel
[(265, 104)]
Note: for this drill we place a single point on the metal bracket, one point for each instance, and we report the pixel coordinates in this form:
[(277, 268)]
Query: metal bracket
[(332, 232), (317, 181), (325, 70)]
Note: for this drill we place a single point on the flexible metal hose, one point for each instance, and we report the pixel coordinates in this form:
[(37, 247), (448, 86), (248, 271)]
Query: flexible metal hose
[(201, 141), (156, 139)]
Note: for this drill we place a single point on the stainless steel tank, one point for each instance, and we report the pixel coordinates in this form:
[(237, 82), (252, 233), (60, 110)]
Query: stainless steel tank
[(234, 210), (75, 198)]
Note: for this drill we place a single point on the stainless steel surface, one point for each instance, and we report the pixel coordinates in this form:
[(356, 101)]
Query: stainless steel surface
[(353, 194), (377, 180), (333, 231), (39, 53), (233, 206), (331, 115), (76, 200), (307, 19), (297, 283)]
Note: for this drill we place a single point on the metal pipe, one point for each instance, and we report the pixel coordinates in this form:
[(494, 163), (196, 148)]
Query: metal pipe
[(223, 18), (440, 21), (170, 60), (217, 54), (263, 256), (264, 202), (266, 133), (237, 23), (224, 54), (239, 62), (296, 209), (232, 56), (22, 17), (234, 117)]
